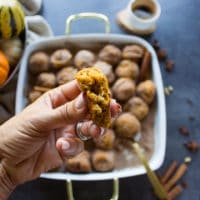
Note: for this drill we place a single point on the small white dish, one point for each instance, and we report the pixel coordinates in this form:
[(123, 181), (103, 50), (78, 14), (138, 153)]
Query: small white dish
[(128, 19)]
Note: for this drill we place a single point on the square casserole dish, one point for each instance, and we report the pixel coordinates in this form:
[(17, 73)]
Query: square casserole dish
[(90, 41)]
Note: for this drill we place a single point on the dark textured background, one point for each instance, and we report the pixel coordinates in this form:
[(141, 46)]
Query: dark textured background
[(179, 33)]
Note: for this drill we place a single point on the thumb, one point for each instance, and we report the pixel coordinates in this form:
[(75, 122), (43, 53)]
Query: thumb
[(69, 113)]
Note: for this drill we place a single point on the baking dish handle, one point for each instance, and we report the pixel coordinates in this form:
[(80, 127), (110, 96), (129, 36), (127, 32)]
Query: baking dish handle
[(115, 195), (89, 15)]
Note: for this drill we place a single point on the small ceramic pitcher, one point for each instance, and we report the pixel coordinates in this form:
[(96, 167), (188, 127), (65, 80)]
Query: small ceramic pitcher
[(139, 23)]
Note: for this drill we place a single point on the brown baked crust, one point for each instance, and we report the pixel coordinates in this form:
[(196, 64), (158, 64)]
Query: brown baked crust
[(103, 161), (80, 163), (95, 85)]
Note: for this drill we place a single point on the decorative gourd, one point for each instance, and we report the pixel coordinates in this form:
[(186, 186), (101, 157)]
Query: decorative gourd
[(4, 68), (12, 49), (12, 20)]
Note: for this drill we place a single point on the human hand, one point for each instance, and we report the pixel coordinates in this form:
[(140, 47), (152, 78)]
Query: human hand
[(39, 138)]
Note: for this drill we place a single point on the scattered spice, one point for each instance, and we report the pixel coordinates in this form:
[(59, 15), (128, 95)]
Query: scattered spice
[(189, 101), (191, 118), (162, 54), (187, 159), (184, 131), (171, 89), (178, 174), (156, 47), (168, 90), (169, 65), (177, 190), (156, 44), (184, 184), (155, 41), (169, 179), (169, 172), (192, 146)]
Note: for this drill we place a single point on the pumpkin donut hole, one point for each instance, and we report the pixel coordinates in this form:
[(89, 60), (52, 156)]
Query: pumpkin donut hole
[(34, 95), (80, 163), (127, 68), (106, 142), (127, 126), (106, 69), (137, 107), (60, 58), (39, 62), (66, 74), (103, 161), (110, 54), (84, 59), (123, 89), (47, 80), (133, 52), (147, 91)]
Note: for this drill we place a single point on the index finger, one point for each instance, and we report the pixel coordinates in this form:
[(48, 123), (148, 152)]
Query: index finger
[(64, 93)]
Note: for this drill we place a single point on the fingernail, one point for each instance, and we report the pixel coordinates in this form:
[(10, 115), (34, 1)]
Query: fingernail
[(65, 145), (103, 131), (80, 102)]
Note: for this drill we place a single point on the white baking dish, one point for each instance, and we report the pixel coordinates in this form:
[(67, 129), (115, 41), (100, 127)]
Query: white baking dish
[(87, 41)]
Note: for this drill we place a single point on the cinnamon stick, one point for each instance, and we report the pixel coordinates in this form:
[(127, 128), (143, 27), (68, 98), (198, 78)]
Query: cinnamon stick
[(145, 66), (177, 190), (41, 89), (179, 173), (169, 172)]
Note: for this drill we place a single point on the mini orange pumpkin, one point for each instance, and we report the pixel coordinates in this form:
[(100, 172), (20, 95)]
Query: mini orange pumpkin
[(4, 68)]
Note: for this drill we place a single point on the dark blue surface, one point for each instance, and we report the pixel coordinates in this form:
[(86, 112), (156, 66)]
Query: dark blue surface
[(179, 33)]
